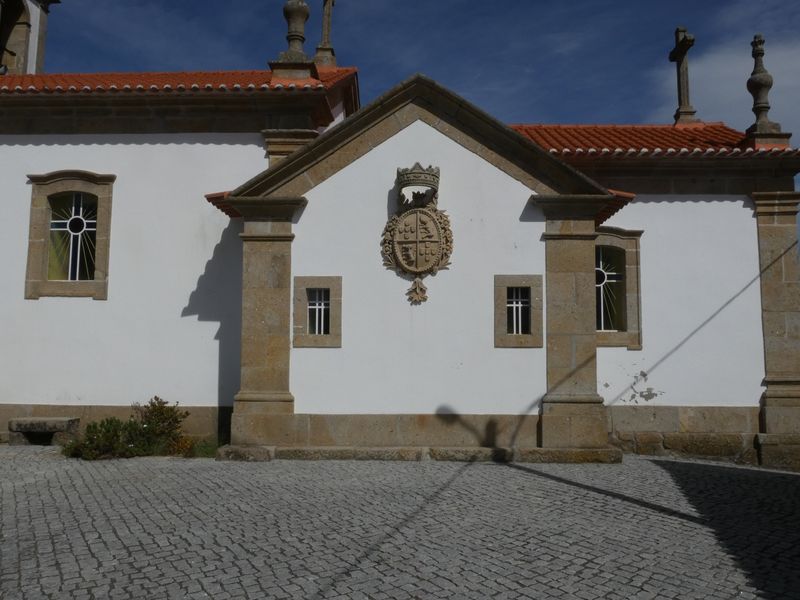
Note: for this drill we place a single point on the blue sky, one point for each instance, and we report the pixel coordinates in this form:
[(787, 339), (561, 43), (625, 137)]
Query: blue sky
[(576, 61)]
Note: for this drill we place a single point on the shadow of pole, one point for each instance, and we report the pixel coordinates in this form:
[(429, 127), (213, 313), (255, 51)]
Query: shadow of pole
[(703, 324), (488, 438), (393, 530)]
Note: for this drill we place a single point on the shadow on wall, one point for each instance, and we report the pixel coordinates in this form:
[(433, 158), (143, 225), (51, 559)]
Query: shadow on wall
[(494, 435), (646, 372), (218, 297), (754, 514)]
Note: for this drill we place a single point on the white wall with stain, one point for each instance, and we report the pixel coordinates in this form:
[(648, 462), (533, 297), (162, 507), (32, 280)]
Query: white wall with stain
[(701, 306)]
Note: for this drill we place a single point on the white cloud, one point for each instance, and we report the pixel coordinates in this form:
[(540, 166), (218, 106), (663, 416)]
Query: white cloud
[(718, 81)]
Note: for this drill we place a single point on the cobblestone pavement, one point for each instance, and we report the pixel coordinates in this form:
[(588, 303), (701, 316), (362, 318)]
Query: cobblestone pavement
[(174, 528)]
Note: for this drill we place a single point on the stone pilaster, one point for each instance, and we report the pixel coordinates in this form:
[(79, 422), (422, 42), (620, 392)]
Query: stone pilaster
[(266, 311), (280, 143), (573, 415), (776, 215)]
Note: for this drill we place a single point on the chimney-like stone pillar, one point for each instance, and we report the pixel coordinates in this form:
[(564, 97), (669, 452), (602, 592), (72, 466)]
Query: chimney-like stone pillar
[(573, 414), (266, 313)]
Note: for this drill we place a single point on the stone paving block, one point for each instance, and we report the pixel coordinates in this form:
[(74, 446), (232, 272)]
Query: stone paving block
[(162, 528)]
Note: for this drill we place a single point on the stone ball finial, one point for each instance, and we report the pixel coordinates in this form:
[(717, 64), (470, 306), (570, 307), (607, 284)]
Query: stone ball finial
[(296, 13), (759, 84)]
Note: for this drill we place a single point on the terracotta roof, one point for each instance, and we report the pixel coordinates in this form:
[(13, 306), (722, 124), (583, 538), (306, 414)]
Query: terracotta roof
[(216, 81), (701, 139)]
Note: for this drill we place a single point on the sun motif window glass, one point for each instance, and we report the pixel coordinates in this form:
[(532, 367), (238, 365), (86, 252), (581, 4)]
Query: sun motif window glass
[(319, 311), (518, 310), (73, 237), (610, 288)]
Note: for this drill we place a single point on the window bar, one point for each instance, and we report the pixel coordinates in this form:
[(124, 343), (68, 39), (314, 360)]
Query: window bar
[(319, 311), (517, 303)]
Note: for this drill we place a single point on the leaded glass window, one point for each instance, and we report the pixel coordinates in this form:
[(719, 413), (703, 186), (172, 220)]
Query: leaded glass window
[(73, 237), (518, 310), (610, 288), (319, 311)]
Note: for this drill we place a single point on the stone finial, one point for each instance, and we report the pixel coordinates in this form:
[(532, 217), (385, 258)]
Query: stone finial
[(294, 63), (759, 85), (296, 13), (678, 55), (325, 54), (762, 133)]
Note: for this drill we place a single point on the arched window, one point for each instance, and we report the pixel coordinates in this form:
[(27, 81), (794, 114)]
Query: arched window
[(618, 302), (68, 243)]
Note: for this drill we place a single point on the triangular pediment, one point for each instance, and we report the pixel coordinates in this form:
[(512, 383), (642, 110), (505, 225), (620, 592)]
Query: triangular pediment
[(418, 99)]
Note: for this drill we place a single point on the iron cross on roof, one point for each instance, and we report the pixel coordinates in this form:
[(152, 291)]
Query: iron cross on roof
[(683, 41)]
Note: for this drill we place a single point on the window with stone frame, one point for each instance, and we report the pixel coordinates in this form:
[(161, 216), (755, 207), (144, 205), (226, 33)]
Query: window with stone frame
[(68, 242), (317, 306), (617, 289), (518, 311)]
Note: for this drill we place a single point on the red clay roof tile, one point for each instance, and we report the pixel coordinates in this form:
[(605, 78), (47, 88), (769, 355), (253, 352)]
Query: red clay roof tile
[(571, 138), (222, 81)]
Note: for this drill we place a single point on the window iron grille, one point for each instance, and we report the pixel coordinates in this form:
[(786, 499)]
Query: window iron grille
[(610, 288), (319, 311), (518, 310), (73, 237)]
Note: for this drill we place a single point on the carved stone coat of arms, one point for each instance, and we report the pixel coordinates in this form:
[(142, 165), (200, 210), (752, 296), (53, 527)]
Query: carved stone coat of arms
[(417, 240)]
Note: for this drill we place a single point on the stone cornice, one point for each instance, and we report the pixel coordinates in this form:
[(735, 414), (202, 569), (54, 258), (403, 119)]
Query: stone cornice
[(163, 112), (776, 203), (256, 208), (54, 176), (574, 206)]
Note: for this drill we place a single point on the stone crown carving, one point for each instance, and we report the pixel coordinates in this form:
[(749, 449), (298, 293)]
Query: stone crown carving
[(418, 176)]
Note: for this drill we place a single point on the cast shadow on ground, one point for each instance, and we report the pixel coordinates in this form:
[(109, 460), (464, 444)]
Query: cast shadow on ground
[(217, 297), (755, 516), (392, 530)]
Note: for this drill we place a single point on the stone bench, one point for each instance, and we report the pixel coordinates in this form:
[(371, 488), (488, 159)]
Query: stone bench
[(42, 430)]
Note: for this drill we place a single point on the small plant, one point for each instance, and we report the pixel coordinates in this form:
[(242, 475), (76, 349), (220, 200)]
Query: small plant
[(161, 425), (153, 430), (109, 438)]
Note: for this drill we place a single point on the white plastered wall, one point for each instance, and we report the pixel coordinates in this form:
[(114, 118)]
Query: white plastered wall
[(399, 358), (701, 306), (174, 274)]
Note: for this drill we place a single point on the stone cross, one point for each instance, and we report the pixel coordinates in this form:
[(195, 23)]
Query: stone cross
[(683, 41), (325, 54)]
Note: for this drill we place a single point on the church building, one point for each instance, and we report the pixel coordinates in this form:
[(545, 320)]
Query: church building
[(404, 280)]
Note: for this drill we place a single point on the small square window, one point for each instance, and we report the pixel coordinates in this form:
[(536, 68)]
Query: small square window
[(317, 307), (518, 311)]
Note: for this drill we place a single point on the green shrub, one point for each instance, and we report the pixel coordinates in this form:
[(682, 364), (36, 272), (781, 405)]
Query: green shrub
[(154, 429), (161, 424), (109, 438)]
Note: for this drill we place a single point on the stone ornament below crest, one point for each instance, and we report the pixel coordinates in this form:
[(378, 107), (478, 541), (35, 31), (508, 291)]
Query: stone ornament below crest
[(417, 241)]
